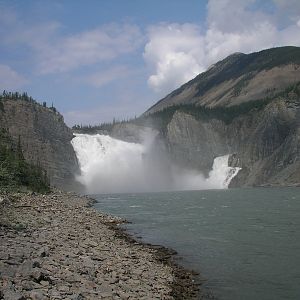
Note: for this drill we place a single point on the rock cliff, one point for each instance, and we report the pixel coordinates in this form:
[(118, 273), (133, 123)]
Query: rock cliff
[(265, 143), (44, 137)]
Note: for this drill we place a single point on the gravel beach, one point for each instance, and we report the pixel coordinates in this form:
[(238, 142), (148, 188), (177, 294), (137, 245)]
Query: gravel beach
[(57, 246)]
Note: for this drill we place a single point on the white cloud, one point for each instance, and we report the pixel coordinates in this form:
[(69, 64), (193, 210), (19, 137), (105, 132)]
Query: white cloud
[(232, 16), (54, 52), (10, 79), (175, 53), (87, 48)]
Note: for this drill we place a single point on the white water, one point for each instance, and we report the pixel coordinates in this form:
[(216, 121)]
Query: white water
[(221, 174), (109, 165)]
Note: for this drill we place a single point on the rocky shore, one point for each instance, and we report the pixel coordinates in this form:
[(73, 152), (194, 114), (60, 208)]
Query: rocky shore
[(57, 246)]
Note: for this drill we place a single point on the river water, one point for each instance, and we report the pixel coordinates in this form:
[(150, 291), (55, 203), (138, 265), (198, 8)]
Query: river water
[(244, 242)]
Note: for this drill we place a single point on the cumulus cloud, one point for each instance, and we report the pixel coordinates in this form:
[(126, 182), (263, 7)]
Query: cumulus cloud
[(10, 79), (175, 53)]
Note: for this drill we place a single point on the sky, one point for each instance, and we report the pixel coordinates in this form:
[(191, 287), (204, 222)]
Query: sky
[(96, 60)]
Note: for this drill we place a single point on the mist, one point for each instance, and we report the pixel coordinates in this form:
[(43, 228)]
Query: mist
[(109, 165)]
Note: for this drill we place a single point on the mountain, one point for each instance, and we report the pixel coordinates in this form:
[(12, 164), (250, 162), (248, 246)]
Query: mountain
[(43, 137), (245, 105), (239, 78)]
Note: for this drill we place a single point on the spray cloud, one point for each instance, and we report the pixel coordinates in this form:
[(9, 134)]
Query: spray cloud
[(109, 165)]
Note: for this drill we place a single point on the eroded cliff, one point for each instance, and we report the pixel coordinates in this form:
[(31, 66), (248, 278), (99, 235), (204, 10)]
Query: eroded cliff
[(44, 137), (265, 143)]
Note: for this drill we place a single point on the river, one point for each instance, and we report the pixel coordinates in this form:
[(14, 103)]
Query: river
[(244, 242)]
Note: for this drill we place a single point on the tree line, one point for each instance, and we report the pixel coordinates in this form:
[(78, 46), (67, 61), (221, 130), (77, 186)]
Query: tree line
[(24, 97), (15, 172)]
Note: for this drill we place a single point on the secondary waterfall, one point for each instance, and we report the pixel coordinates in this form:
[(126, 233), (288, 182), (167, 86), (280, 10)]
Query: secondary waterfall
[(109, 165)]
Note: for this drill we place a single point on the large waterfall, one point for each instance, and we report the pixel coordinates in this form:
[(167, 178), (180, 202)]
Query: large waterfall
[(109, 165)]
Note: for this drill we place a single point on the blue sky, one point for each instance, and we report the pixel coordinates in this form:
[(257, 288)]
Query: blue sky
[(96, 60)]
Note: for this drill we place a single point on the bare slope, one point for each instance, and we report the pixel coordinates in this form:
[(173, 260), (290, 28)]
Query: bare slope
[(239, 78)]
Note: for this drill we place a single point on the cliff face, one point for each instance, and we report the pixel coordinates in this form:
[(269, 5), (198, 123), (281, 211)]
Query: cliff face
[(265, 143), (44, 137)]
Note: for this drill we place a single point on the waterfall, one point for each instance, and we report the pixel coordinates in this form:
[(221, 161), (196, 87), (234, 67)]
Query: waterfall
[(109, 165), (221, 174)]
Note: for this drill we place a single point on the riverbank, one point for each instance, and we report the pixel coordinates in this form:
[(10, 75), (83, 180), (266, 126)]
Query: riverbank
[(57, 246)]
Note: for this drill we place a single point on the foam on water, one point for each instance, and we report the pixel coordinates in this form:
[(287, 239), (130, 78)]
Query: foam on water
[(109, 165)]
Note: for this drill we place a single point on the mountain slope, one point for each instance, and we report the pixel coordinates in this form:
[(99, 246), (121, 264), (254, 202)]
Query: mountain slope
[(239, 78), (245, 105)]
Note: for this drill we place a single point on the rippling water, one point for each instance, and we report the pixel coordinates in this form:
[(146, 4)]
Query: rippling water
[(245, 242)]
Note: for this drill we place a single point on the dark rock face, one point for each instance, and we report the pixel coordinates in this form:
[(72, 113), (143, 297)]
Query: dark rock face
[(265, 144), (44, 137), (131, 133)]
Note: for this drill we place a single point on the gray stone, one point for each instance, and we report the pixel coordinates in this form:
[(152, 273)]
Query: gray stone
[(37, 295), (11, 294)]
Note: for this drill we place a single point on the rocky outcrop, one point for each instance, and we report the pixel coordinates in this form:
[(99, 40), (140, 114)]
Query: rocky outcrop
[(44, 137), (193, 143), (132, 133)]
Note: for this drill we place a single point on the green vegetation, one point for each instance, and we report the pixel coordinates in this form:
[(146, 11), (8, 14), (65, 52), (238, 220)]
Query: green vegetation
[(15, 172), (16, 96), (104, 127), (160, 119), (290, 91)]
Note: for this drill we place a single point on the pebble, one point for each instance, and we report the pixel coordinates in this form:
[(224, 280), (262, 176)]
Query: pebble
[(57, 247)]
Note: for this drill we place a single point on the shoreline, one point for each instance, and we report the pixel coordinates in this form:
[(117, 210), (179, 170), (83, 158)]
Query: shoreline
[(57, 245), (185, 285)]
